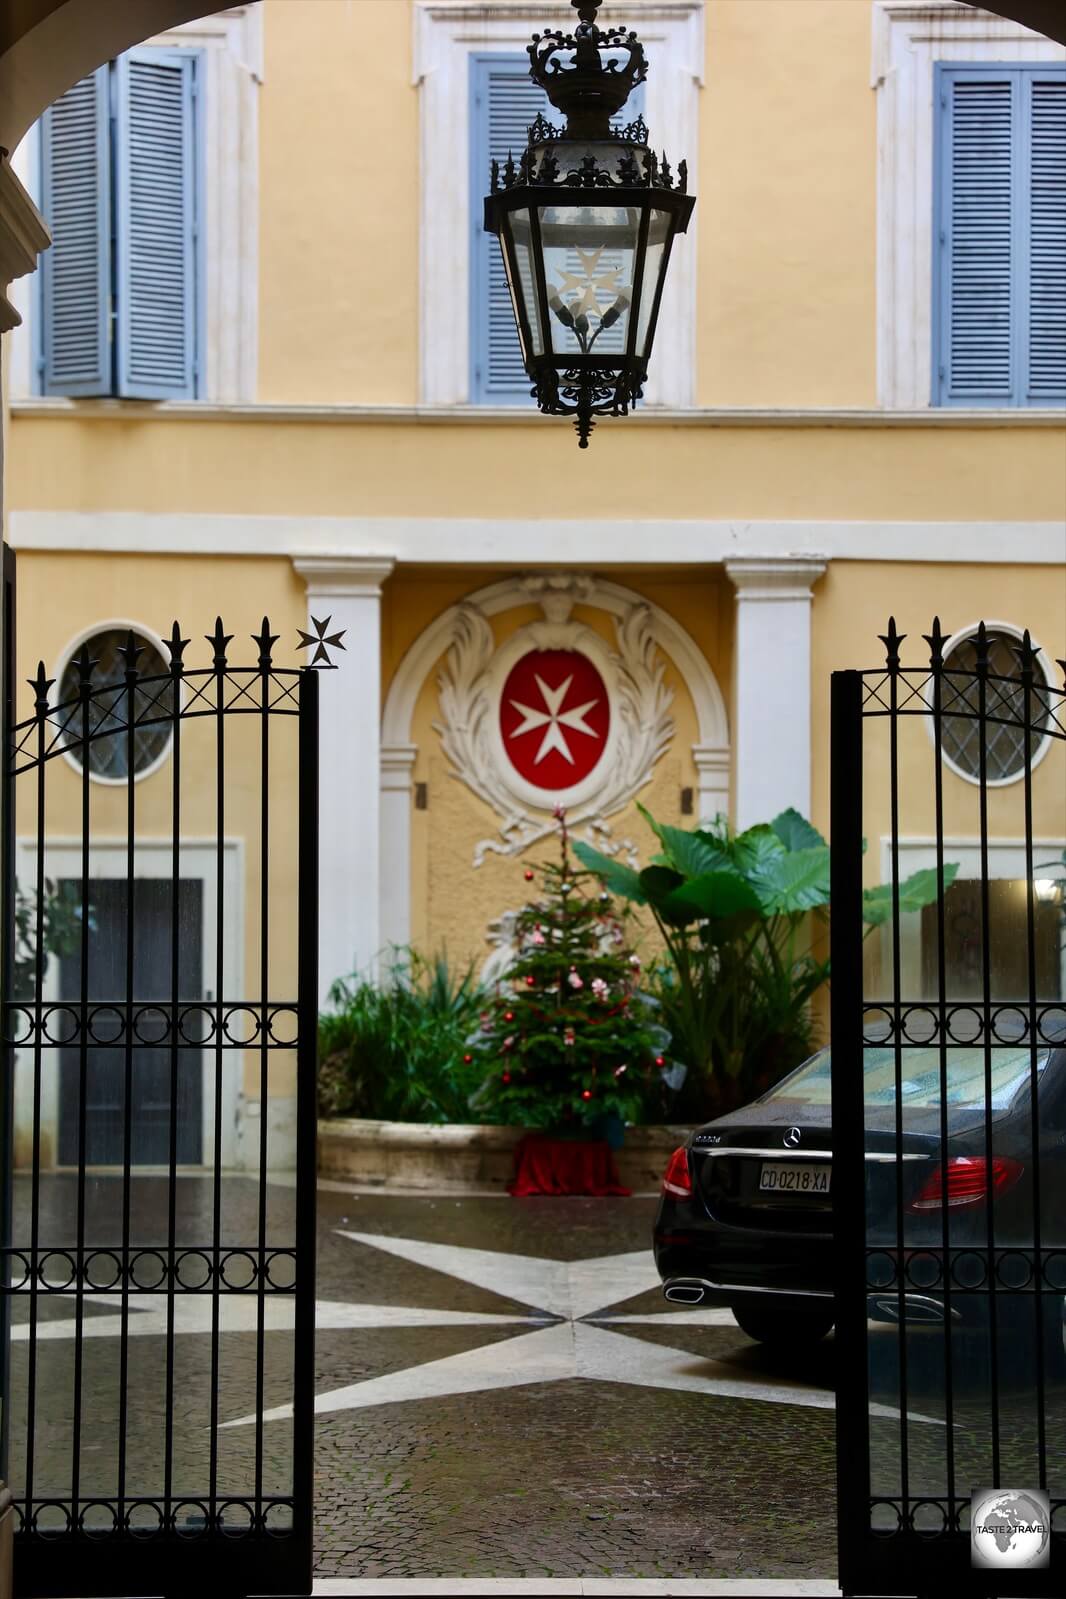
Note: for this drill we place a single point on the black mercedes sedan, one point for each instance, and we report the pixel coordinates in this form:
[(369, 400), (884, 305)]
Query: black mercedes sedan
[(745, 1217)]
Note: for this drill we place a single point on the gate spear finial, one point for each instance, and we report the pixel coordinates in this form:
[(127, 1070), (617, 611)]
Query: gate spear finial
[(266, 641), (40, 685), (130, 652), (892, 641), (935, 641), (177, 647), (85, 663), (221, 640), (1026, 657)]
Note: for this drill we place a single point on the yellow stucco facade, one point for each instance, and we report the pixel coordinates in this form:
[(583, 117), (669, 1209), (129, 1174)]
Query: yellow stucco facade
[(329, 480)]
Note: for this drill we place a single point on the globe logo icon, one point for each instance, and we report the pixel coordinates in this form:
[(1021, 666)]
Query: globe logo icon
[(1010, 1528)]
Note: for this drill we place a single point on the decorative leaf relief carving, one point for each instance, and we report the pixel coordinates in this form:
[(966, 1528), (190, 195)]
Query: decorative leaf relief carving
[(642, 727)]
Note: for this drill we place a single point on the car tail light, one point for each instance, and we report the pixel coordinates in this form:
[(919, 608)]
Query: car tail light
[(676, 1179), (968, 1182)]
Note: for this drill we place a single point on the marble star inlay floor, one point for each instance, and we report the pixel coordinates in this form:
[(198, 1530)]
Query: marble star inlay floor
[(568, 1332), (501, 1390)]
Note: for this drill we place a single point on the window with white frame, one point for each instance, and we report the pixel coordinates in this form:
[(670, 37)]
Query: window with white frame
[(997, 744), (108, 754), (476, 98), (224, 51), (971, 277), (120, 187), (999, 253)]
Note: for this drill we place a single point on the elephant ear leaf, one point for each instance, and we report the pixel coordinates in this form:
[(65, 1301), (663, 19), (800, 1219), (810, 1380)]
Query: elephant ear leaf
[(691, 854), (915, 892), (753, 848), (660, 883), (791, 883), (716, 895), (795, 832), (616, 877)]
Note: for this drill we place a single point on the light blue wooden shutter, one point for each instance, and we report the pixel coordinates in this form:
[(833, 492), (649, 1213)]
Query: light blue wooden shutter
[(976, 239), (504, 101), (1046, 347), (156, 173), (75, 344), (999, 301)]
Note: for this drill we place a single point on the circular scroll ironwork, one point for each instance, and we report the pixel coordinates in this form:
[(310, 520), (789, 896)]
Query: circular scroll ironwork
[(236, 1518), (279, 1518), (190, 1519), (929, 1518), (145, 1518), (98, 1519), (886, 1520)]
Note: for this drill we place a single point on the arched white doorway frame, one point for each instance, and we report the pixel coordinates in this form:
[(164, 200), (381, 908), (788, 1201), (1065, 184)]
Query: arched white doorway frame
[(710, 752)]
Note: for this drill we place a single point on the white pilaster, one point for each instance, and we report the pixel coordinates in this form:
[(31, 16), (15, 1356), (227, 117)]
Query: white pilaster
[(712, 764), (397, 769), (347, 589), (772, 732)]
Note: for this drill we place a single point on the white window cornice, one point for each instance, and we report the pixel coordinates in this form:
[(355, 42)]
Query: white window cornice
[(909, 37), (446, 34)]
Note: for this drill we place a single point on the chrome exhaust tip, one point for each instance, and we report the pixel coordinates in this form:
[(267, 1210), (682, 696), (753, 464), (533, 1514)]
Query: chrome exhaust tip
[(684, 1293), (918, 1310)]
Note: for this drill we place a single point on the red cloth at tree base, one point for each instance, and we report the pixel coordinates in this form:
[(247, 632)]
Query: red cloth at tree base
[(545, 1165)]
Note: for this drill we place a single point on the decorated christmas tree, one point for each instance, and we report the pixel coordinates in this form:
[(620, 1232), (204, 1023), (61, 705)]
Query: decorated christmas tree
[(570, 1042)]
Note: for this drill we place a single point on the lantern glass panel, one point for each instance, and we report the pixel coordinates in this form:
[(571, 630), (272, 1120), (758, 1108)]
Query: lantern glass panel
[(524, 292), (659, 226), (589, 253)]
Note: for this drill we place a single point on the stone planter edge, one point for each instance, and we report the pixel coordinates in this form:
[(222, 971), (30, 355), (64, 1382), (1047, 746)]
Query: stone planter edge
[(461, 1158)]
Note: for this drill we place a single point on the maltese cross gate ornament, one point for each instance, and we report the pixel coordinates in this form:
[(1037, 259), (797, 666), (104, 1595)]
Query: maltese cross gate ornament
[(586, 221)]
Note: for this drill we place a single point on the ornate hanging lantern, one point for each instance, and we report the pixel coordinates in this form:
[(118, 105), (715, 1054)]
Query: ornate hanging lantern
[(586, 221)]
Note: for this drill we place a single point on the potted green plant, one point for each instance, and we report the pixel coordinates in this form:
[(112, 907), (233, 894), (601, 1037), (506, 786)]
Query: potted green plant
[(743, 923)]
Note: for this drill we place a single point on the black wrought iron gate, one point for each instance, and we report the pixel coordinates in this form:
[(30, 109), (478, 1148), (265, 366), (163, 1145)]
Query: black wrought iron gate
[(160, 997), (949, 1110)]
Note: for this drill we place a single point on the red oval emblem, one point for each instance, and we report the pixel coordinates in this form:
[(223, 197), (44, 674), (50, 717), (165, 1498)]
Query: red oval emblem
[(554, 717)]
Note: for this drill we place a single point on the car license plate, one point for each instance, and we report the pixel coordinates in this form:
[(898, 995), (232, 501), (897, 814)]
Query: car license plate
[(794, 1177)]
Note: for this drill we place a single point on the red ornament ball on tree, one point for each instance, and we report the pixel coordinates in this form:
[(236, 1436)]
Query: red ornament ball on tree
[(529, 877), (659, 1061), (508, 1015), (467, 1059), (586, 1093), (530, 981), (505, 1077)]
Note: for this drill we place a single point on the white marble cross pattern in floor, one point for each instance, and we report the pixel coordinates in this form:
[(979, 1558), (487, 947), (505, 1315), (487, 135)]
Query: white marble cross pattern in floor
[(575, 1295), (568, 1331)]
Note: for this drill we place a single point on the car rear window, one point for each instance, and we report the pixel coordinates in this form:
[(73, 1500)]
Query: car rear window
[(920, 1082)]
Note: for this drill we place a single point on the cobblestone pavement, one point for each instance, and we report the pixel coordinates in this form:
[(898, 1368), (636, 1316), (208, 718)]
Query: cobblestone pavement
[(502, 1392)]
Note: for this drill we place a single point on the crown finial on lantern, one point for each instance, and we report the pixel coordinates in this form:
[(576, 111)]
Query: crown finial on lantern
[(588, 74)]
